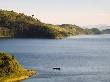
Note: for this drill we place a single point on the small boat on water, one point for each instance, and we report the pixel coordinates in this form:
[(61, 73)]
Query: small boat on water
[(55, 68)]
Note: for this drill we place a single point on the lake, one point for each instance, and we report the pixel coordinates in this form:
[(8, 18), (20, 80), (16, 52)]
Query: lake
[(83, 58)]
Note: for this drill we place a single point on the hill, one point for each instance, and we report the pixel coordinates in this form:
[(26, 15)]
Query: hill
[(11, 69), (106, 31), (100, 26), (19, 25), (73, 29)]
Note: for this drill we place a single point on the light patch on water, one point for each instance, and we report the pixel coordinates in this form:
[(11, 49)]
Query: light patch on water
[(88, 36)]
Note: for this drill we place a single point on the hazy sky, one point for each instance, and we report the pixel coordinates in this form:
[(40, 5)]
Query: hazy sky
[(80, 12)]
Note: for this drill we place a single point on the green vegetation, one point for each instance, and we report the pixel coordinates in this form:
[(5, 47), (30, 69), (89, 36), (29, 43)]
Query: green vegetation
[(106, 31), (10, 67), (93, 31), (97, 31), (18, 25), (72, 29)]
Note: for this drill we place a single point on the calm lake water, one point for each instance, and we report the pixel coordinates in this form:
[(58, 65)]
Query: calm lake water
[(81, 58)]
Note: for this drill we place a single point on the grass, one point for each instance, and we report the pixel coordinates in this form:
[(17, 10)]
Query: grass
[(10, 69)]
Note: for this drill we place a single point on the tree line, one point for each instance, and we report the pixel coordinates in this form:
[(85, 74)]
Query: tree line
[(19, 25)]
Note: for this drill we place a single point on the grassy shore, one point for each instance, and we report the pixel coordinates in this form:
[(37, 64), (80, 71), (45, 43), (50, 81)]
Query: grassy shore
[(17, 78), (5, 37), (11, 70)]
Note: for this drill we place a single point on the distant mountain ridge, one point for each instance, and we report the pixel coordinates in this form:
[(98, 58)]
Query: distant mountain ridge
[(100, 26)]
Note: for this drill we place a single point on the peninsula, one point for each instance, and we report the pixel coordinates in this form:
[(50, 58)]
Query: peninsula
[(11, 70), (19, 25)]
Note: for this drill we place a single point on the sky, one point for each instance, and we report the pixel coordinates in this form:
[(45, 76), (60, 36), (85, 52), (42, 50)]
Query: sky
[(79, 12)]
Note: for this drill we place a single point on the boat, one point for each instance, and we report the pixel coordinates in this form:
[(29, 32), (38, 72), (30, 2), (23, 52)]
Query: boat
[(56, 68)]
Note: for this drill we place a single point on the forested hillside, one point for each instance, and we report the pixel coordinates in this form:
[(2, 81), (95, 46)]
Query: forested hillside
[(10, 68), (19, 25)]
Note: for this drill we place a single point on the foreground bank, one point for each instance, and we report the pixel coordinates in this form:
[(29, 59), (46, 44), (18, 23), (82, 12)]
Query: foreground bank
[(11, 70)]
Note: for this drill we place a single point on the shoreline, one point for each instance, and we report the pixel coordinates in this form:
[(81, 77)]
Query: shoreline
[(19, 78), (16, 79), (11, 70)]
